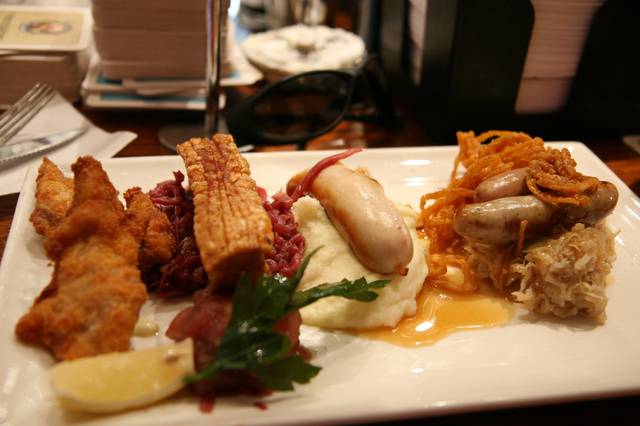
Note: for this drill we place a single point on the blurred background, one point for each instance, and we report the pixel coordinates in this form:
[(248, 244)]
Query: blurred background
[(562, 69)]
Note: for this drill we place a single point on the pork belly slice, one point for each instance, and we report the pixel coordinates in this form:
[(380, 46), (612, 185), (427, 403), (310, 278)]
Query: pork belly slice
[(232, 229)]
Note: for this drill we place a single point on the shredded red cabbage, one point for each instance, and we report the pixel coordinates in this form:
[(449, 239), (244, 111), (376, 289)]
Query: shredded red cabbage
[(288, 243), (171, 198), (184, 273)]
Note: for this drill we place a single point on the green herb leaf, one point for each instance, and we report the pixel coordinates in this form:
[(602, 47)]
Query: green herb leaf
[(281, 374), (359, 289), (250, 342)]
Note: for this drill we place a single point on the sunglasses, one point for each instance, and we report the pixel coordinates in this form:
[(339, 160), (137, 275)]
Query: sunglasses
[(304, 106)]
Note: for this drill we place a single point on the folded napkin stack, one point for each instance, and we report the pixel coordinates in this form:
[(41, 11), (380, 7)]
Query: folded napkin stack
[(42, 44), (150, 49)]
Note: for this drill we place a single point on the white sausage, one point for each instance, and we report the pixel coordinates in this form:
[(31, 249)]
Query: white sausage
[(498, 221), (365, 218), (507, 184), (601, 203)]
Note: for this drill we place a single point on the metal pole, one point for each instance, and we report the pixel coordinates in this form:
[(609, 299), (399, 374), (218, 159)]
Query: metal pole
[(172, 135), (214, 35)]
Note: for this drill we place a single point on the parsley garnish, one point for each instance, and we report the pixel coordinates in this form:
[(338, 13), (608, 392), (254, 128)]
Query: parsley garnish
[(250, 343)]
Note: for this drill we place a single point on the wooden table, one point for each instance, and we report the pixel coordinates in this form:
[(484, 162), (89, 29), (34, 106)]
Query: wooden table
[(621, 159)]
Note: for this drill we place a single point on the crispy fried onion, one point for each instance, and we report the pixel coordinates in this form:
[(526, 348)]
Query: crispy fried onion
[(552, 178)]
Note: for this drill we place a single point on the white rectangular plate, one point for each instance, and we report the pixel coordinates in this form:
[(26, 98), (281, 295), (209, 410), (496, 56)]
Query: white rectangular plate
[(521, 363)]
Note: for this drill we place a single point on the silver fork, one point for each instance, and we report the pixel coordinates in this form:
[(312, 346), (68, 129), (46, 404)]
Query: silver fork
[(20, 113)]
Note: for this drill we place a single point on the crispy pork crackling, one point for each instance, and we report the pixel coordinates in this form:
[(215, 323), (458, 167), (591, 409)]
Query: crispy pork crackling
[(232, 229)]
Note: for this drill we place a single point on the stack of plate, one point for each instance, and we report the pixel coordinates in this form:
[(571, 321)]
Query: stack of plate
[(152, 38), (42, 44), (300, 48), (151, 52), (559, 33), (101, 91)]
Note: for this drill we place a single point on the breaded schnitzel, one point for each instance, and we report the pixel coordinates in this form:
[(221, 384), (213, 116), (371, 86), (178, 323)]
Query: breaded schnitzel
[(54, 193), (158, 242), (92, 302)]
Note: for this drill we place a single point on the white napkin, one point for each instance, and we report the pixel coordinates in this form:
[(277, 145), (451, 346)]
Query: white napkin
[(57, 116)]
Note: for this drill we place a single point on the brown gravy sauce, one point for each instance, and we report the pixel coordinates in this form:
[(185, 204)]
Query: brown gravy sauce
[(440, 313)]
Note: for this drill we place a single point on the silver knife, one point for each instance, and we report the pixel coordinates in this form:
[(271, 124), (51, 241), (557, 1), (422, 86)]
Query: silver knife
[(28, 148)]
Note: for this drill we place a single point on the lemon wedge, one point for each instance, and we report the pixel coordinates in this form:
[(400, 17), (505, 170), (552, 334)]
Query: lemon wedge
[(122, 380)]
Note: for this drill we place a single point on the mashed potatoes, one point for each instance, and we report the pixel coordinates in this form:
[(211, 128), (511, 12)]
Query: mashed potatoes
[(335, 261)]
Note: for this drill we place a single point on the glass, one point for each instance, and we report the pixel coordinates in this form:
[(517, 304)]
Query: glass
[(280, 13), (172, 135)]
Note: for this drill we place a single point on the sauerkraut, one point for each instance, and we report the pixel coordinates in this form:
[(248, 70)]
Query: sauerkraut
[(563, 276)]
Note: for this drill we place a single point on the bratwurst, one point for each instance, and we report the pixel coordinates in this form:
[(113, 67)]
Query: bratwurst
[(365, 218), (498, 221), (507, 184)]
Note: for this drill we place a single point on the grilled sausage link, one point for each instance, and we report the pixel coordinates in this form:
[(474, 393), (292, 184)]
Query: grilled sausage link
[(498, 221), (507, 184), (367, 220), (601, 203)]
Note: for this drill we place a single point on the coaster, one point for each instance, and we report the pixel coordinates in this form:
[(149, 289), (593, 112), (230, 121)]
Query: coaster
[(44, 28)]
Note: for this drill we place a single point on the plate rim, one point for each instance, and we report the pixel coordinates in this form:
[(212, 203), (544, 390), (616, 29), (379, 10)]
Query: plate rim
[(472, 406)]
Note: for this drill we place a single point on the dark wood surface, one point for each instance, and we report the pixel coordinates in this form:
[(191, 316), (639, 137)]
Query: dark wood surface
[(617, 409)]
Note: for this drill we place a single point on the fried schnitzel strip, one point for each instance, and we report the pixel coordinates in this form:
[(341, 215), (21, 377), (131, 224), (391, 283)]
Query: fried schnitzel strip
[(232, 229), (54, 194), (158, 243), (92, 302)]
